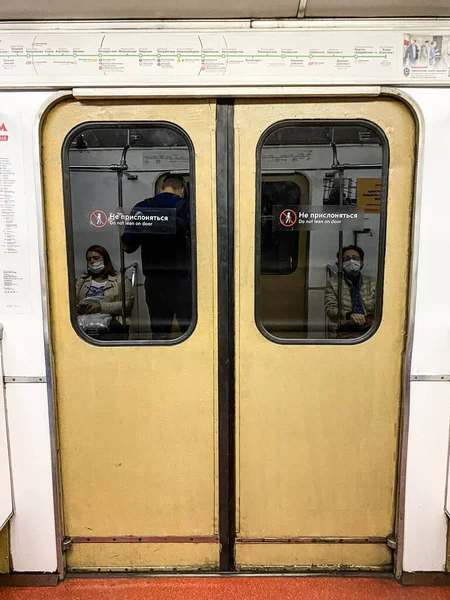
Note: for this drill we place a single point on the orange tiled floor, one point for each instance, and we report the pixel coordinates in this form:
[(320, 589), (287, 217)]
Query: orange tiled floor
[(242, 588)]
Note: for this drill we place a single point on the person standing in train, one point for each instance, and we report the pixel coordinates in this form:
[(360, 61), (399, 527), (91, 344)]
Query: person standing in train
[(358, 296), (166, 260)]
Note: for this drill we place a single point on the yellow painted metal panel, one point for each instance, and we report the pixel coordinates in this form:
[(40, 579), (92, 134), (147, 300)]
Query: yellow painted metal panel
[(4, 550), (318, 425), (142, 556), (137, 425), (321, 556)]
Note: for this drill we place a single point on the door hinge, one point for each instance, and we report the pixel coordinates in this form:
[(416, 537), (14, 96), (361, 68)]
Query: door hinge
[(391, 541), (66, 543)]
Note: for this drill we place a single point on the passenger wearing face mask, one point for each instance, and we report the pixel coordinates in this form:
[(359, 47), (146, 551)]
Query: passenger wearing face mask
[(358, 296), (98, 291)]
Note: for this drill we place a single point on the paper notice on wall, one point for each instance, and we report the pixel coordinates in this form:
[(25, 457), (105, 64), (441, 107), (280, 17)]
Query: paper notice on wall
[(368, 195), (15, 294), (426, 56)]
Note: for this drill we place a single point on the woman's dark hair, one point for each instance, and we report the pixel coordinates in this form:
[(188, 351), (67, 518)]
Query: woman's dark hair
[(357, 249), (110, 270)]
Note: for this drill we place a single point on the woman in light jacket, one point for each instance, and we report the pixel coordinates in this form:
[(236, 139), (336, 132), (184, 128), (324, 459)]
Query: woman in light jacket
[(99, 290), (358, 296)]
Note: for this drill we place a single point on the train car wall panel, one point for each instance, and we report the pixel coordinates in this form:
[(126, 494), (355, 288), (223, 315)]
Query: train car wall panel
[(428, 443), (33, 541), (431, 332), (32, 538), (425, 540)]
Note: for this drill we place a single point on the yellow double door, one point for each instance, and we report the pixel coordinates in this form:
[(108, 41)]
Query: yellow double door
[(316, 426)]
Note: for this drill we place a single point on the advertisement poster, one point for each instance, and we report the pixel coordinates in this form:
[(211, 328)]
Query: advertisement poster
[(426, 56)]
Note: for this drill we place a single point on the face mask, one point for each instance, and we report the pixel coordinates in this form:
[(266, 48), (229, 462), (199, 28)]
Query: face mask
[(96, 267), (352, 266)]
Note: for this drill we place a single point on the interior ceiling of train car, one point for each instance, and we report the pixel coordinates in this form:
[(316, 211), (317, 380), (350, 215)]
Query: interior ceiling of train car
[(155, 137), (217, 9)]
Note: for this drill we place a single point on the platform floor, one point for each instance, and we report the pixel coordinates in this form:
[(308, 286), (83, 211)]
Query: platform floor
[(235, 588)]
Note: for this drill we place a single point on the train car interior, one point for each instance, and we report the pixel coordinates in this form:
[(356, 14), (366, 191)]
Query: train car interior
[(112, 168)]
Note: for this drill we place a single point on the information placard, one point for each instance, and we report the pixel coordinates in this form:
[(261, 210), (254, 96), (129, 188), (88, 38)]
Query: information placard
[(317, 217), (15, 289)]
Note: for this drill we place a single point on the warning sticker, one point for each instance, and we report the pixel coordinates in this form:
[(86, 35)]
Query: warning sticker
[(295, 218)]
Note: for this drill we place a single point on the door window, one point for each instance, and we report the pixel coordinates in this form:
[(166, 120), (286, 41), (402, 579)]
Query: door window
[(130, 220), (320, 246)]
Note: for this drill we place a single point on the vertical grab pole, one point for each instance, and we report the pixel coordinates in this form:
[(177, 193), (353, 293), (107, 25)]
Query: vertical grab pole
[(341, 240), (122, 254), (336, 165)]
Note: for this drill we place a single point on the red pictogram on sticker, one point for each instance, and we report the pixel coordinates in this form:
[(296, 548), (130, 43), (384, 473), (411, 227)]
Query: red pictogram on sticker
[(3, 138), (98, 218), (288, 218)]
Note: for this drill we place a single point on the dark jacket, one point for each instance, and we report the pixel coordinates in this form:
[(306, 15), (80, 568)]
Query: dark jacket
[(161, 251)]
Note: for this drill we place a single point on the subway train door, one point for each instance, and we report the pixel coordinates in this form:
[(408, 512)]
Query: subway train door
[(319, 393), (320, 233), (136, 405)]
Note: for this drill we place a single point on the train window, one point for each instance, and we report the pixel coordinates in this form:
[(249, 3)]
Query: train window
[(279, 253), (320, 231), (129, 204)]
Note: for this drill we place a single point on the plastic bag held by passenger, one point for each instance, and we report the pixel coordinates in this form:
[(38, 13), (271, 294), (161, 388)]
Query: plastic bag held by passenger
[(96, 323), (93, 323)]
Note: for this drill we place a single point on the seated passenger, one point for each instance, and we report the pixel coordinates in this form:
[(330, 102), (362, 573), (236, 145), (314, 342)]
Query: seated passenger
[(358, 296), (98, 295)]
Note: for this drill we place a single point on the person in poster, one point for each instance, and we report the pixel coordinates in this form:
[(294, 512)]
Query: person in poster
[(412, 53), (435, 54), (425, 53)]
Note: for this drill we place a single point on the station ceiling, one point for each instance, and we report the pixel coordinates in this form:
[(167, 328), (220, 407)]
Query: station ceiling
[(31, 10)]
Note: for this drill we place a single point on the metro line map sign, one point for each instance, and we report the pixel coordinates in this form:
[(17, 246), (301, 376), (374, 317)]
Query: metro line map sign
[(84, 57), (193, 54), (300, 56)]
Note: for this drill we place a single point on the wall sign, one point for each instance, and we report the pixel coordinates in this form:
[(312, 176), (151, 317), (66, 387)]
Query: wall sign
[(368, 195), (302, 56), (15, 291), (316, 217)]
